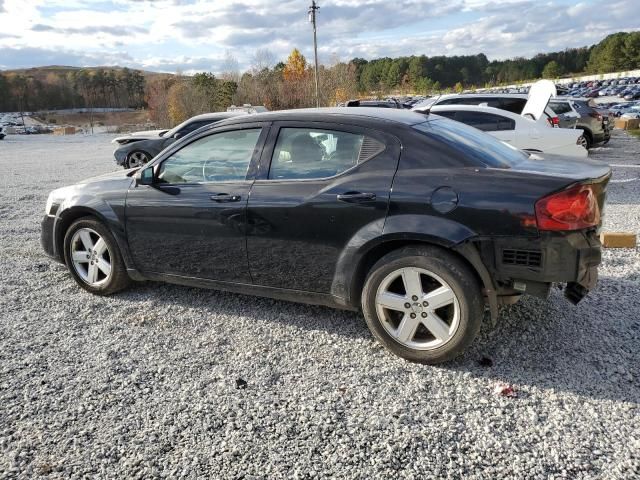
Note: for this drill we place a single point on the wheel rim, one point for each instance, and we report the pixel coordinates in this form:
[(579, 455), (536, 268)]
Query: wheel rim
[(583, 142), (137, 159), (90, 257), (418, 308)]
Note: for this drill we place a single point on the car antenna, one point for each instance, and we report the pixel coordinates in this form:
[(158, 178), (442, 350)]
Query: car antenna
[(427, 110)]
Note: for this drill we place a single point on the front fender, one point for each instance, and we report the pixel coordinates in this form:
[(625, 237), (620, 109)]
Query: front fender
[(109, 210)]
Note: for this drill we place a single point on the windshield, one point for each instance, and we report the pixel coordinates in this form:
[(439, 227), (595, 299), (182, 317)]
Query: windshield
[(175, 129), (478, 147)]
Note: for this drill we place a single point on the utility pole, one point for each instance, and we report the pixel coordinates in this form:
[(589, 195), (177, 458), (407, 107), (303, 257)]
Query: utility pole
[(312, 18)]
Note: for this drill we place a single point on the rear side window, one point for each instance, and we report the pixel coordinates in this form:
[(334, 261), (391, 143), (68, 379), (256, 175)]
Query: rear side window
[(450, 114), (303, 153), (482, 121), (477, 147), (513, 105), (192, 127), (487, 122)]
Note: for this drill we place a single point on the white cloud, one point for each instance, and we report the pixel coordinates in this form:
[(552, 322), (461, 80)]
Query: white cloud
[(194, 34)]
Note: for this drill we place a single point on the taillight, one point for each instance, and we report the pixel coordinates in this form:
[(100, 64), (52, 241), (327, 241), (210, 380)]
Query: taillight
[(572, 209), (554, 122)]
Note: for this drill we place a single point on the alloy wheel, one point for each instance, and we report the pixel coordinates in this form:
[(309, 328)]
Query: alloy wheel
[(582, 141), (137, 159), (417, 308), (90, 257)]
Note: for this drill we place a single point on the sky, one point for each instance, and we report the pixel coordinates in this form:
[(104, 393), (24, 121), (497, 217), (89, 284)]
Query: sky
[(201, 35)]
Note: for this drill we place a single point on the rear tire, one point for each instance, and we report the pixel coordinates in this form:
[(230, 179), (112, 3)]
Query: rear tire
[(587, 136), (436, 317), (93, 257)]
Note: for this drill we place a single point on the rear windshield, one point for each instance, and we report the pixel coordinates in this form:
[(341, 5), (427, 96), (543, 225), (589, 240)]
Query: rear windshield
[(479, 148)]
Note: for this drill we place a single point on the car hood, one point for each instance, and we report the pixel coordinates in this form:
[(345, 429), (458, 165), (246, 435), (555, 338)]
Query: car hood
[(120, 174), (539, 95), (143, 135), (562, 166)]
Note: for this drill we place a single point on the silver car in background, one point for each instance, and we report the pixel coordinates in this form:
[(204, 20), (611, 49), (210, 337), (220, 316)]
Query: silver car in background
[(137, 148)]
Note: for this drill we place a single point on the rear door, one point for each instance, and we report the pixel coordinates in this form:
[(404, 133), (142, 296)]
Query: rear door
[(319, 185)]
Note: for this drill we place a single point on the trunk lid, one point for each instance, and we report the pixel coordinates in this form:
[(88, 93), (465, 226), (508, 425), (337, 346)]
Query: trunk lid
[(572, 169), (539, 95)]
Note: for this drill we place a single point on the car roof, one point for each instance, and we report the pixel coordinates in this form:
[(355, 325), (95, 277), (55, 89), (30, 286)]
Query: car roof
[(334, 114), (216, 116), (491, 95)]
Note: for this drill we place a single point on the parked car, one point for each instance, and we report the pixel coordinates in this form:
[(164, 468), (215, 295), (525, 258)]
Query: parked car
[(620, 109), (319, 206), (632, 112), (582, 114), (136, 149), (516, 130), (391, 103), (633, 94), (511, 102)]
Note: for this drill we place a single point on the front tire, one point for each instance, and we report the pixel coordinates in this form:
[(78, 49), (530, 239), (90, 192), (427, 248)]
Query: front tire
[(93, 257), (137, 159), (423, 303)]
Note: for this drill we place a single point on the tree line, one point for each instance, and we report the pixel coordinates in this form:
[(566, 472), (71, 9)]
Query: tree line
[(289, 84), (78, 88)]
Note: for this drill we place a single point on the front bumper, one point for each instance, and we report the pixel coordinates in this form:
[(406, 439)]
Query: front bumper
[(531, 265), (120, 155), (47, 238)]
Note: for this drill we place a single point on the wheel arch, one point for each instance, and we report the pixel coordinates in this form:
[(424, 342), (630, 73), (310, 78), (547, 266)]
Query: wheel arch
[(465, 251), (587, 131), (68, 216)]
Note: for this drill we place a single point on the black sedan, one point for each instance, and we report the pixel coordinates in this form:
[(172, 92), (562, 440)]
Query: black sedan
[(419, 221), (137, 148)]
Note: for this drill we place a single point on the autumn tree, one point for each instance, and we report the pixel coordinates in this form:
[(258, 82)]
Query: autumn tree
[(294, 68)]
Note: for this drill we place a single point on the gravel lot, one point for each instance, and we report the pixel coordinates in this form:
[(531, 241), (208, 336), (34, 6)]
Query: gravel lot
[(143, 384)]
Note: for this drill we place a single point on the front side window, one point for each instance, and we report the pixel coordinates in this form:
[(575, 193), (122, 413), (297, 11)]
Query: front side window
[(304, 153), (219, 157)]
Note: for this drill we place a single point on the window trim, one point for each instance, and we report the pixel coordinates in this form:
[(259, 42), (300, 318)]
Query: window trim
[(253, 162), (269, 149)]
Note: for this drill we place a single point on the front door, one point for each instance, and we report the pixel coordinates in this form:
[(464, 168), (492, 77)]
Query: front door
[(319, 185), (191, 221)]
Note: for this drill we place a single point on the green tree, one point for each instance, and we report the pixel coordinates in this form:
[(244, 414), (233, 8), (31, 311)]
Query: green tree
[(551, 70)]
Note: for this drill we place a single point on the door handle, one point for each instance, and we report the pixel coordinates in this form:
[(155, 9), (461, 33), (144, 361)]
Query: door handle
[(356, 197), (225, 198)]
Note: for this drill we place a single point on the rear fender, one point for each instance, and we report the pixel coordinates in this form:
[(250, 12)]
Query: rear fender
[(398, 231)]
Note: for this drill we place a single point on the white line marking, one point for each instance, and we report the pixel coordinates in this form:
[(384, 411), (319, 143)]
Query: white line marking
[(624, 166)]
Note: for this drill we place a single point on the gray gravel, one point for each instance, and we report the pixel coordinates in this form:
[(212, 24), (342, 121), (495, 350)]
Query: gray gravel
[(143, 384)]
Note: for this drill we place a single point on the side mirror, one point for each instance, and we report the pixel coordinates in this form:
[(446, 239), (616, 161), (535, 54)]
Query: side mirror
[(145, 177), (177, 135)]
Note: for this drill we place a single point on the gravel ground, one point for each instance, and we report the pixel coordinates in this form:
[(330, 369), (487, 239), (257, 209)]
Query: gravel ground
[(144, 384)]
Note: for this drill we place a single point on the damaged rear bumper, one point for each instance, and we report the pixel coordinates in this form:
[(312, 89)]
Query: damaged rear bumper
[(531, 265)]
